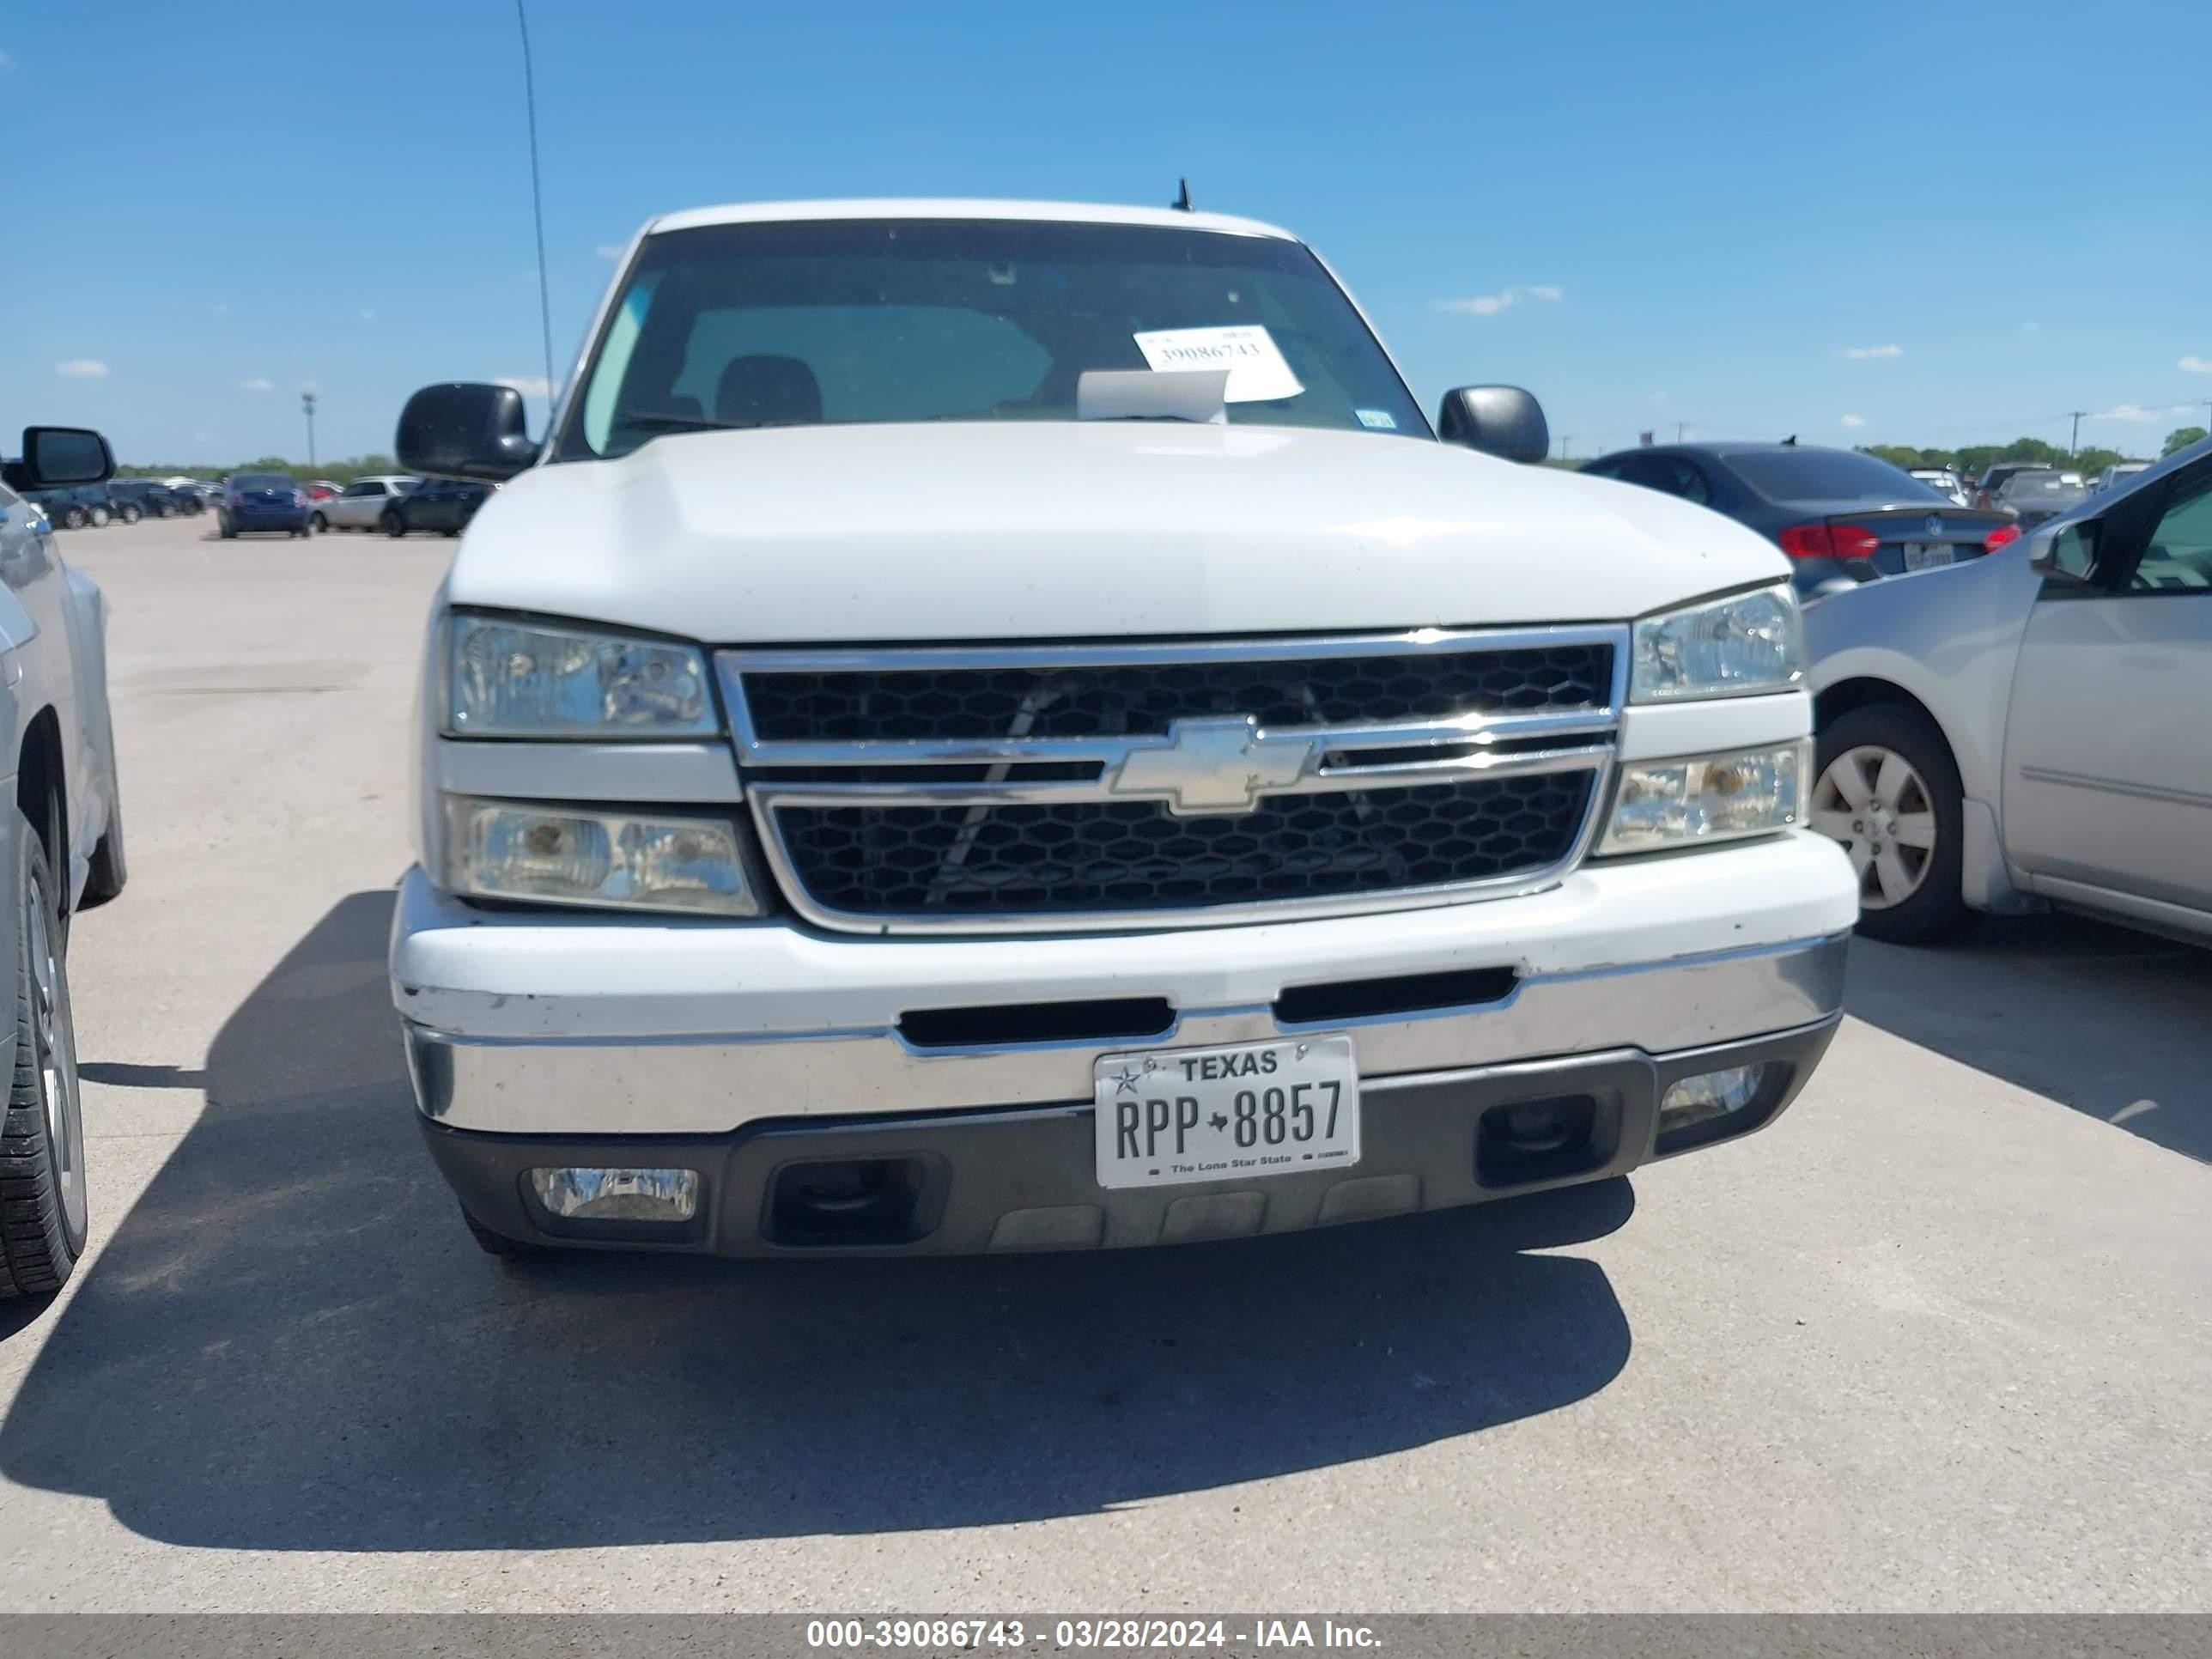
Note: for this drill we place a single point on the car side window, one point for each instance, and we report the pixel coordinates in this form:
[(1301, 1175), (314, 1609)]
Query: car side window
[(1684, 478), (2177, 559)]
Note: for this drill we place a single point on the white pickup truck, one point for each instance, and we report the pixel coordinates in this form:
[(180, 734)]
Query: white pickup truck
[(994, 727)]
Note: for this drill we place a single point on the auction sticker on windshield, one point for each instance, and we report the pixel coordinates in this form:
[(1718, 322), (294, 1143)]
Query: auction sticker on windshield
[(1257, 373), (1256, 1108)]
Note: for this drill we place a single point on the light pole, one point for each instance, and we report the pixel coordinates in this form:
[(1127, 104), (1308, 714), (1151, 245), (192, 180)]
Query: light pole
[(308, 404), (536, 199), (2074, 443)]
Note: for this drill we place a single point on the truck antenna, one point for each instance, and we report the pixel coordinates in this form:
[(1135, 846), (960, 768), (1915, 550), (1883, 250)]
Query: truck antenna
[(1182, 203)]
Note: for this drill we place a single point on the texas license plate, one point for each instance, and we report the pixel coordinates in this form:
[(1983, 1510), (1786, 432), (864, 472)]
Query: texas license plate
[(1926, 555), (1229, 1114)]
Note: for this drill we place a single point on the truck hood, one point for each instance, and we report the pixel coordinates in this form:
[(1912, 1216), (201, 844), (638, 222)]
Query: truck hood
[(1033, 530)]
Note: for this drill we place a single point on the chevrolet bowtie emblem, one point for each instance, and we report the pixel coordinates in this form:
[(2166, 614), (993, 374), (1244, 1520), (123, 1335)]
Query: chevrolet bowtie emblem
[(1213, 766)]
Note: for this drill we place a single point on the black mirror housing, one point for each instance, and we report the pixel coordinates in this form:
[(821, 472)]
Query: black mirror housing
[(460, 430), (56, 457), (1499, 420)]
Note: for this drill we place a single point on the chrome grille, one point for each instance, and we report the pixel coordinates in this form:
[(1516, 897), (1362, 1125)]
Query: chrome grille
[(1143, 699), (1036, 860), (1012, 788)]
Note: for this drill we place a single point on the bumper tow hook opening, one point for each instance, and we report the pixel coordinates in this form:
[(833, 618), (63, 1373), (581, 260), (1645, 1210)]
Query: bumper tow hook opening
[(1531, 1140), (848, 1202)]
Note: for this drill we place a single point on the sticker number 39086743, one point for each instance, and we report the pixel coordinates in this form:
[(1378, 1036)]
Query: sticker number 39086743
[(1257, 373)]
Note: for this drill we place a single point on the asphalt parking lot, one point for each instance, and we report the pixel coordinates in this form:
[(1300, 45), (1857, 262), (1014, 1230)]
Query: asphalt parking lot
[(1941, 1339)]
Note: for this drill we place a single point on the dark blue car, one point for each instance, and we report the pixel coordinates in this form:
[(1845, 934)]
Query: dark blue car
[(1843, 517), (262, 502)]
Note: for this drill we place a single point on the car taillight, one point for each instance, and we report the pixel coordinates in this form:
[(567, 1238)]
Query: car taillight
[(1821, 541), (2000, 536)]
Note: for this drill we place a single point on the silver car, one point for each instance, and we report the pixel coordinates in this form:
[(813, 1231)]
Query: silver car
[(2028, 730), (61, 851), (2039, 495), (361, 504)]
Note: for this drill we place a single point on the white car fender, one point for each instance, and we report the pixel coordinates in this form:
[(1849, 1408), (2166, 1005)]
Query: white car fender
[(1949, 640)]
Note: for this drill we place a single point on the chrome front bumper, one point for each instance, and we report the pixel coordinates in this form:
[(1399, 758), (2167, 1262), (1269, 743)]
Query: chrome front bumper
[(703, 1084)]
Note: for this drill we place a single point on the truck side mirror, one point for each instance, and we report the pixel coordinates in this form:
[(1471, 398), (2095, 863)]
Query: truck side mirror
[(1499, 420), (56, 457), (459, 429)]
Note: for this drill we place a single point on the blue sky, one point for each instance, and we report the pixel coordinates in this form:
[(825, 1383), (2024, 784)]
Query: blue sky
[(1946, 223)]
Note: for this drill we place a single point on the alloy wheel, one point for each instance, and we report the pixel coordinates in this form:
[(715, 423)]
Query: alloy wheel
[(1873, 802), (57, 1062)]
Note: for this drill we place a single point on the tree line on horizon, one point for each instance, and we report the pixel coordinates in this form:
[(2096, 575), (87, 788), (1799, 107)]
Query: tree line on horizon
[(361, 466), (1974, 460)]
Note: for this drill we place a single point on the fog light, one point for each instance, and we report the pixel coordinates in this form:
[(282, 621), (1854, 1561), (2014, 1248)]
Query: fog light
[(618, 1194), (1709, 1095)]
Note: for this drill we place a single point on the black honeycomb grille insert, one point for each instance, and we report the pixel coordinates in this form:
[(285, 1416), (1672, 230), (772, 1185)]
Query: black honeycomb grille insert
[(894, 704), (1103, 856)]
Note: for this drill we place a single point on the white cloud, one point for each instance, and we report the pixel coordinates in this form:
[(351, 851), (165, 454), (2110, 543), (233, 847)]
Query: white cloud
[(1489, 305), (83, 368), (608, 250), (1872, 351), (2137, 413), (2196, 365), (530, 385), (1854, 420), (257, 384)]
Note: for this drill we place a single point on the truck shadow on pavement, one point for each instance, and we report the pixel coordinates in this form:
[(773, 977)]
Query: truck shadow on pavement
[(2109, 1022), (290, 1343)]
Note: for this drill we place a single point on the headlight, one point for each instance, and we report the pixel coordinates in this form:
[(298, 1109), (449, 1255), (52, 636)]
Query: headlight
[(1723, 648), (1706, 798), (508, 679), (576, 855)]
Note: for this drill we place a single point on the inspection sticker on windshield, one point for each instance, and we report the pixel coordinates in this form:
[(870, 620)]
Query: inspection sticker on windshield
[(1257, 373), (1375, 420)]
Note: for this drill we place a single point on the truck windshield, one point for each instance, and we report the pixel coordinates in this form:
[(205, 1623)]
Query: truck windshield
[(844, 321)]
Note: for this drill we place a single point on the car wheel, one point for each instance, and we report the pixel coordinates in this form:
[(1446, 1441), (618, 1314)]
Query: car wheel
[(1887, 789), (392, 523), (317, 523), (73, 519), (43, 1214), (129, 514), (228, 526), (100, 516)]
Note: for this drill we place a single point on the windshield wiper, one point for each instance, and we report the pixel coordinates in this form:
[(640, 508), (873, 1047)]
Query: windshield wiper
[(659, 420)]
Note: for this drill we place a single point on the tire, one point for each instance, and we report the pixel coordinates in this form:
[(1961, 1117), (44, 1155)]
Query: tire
[(228, 527), (73, 519), (391, 524), (165, 511), (1896, 762), (129, 514), (317, 523), (43, 1215), (101, 517)]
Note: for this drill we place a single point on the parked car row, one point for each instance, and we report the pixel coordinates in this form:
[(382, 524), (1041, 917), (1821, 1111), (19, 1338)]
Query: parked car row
[(121, 501), (399, 503), (396, 503)]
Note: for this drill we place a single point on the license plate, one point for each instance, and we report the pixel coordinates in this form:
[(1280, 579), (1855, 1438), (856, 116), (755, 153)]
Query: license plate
[(1231, 1113), (1926, 555)]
